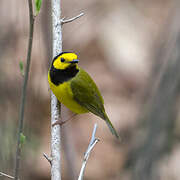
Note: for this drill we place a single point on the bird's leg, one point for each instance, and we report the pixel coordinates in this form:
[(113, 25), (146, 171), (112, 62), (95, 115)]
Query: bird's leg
[(60, 122)]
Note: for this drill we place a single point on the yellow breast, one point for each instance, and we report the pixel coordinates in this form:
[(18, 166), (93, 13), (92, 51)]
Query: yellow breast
[(64, 94)]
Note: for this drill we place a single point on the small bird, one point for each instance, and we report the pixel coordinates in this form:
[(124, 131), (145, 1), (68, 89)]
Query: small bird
[(74, 88)]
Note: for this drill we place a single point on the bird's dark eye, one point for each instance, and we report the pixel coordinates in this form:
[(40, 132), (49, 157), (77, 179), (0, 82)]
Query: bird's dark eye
[(62, 59)]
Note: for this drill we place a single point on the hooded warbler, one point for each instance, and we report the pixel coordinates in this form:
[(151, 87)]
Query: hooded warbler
[(74, 88)]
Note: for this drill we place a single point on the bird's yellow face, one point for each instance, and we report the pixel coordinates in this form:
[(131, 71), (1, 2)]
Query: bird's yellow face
[(65, 60)]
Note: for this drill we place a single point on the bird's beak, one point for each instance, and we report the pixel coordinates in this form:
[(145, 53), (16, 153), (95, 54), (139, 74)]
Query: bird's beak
[(74, 61)]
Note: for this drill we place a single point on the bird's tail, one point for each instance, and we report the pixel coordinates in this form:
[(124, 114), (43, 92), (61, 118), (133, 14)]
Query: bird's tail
[(110, 126)]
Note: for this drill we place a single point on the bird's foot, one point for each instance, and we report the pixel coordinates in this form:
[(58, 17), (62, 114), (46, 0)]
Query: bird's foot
[(59, 122)]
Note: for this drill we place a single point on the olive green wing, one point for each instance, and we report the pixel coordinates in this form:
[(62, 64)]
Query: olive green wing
[(86, 93)]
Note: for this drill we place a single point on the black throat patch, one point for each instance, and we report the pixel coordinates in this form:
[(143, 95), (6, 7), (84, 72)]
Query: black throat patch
[(58, 76)]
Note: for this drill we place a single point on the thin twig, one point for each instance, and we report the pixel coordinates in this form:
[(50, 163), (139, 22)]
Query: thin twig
[(86, 156), (6, 175), (93, 136), (24, 87), (47, 158), (64, 21), (55, 106), (92, 143)]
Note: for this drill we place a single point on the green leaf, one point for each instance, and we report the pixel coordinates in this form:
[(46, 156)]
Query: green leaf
[(22, 139), (21, 67), (38, 5)]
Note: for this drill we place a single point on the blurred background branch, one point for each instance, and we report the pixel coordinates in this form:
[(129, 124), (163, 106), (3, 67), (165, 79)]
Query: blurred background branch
[(160, 114)]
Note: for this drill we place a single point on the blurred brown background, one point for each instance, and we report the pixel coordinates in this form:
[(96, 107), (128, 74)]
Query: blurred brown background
[(131, 49)]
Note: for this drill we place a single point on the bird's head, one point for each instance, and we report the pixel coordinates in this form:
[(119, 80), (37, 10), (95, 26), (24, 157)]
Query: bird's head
[(65, 60)]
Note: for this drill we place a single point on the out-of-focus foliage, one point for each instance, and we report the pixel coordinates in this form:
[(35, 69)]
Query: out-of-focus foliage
[(21, 67), (38, 4)]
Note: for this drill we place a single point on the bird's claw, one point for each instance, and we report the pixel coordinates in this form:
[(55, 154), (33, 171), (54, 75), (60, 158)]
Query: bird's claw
[(59, 122)]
